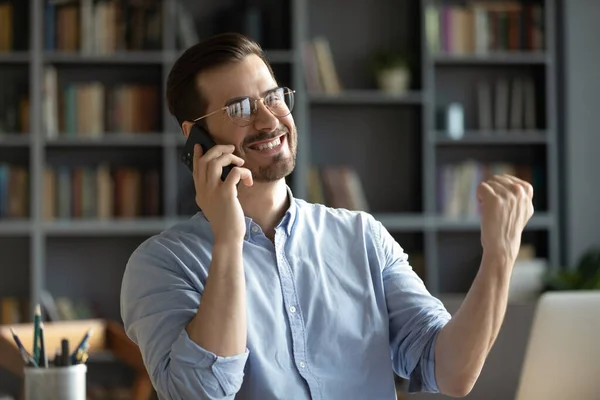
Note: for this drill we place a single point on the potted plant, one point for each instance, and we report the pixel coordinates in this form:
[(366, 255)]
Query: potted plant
[(392, 72), (585, 275)]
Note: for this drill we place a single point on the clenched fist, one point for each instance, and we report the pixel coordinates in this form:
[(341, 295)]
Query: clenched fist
[(506, 204)]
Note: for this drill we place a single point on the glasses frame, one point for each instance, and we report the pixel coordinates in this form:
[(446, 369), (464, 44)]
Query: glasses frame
[(255, 100)]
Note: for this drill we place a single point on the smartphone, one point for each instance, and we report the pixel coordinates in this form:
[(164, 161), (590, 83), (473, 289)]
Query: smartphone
[(199, 135)]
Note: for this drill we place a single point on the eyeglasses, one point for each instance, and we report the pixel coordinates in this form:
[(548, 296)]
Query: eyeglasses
[(242, 111)]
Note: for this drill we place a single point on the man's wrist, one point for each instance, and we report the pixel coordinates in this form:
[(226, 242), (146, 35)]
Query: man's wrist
[(497, 262), (230, 245)]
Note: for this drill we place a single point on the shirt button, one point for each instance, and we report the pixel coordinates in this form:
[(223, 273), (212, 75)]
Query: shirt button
[(293, 309), (255, 229), (302, 365)]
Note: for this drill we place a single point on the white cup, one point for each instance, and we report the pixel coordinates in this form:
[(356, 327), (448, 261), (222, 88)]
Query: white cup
[(56, 383)]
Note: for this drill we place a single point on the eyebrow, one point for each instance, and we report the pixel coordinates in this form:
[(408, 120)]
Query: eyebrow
[(236, 99)]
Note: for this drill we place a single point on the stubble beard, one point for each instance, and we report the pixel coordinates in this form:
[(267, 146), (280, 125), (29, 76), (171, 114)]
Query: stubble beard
[(279, 167)]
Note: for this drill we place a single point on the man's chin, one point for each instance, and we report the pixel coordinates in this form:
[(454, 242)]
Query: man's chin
[(274, 172)]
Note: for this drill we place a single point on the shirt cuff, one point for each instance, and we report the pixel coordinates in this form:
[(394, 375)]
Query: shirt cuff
[(423, 378), (223, 374)]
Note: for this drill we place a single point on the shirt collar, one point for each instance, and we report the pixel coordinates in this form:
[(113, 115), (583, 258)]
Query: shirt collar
[(287, 222), (290, 215)]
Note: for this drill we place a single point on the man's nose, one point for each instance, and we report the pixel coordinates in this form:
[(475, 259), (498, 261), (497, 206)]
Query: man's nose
[(265, 120)]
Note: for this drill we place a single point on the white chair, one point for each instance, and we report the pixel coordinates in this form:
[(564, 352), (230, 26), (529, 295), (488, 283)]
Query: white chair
[(562, 359)]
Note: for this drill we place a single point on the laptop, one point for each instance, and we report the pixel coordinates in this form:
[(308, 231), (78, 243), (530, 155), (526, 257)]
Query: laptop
[(562, 358)]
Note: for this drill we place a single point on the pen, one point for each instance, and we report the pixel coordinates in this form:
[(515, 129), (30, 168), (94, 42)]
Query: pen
[(65, 360), (57, 358)]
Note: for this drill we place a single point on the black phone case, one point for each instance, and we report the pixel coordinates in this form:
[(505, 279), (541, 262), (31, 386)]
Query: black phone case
[(199, 135)]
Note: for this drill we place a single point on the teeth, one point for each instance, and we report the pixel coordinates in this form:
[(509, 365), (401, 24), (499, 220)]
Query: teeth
[(269, 145)]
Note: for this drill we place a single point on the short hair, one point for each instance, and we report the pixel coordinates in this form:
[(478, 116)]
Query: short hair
[(184, 98)]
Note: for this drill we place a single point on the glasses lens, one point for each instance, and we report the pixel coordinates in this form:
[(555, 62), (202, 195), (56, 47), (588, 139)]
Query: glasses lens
[(240, 111), (280, 101)]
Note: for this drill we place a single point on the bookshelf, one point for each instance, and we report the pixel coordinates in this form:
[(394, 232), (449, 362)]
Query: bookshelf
[(500, 67), (71, 224), (398, 144), (394, 142)]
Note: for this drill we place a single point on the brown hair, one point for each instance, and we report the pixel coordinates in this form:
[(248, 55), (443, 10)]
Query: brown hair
[(183, 95)]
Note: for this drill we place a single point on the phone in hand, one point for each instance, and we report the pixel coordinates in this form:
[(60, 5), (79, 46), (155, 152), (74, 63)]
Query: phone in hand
[(199, 135)]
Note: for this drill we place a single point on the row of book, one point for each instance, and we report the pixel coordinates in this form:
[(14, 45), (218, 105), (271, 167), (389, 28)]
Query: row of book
[(13, 17), (336, 186), (319, 67), (14, 191), (340, 186), (481, 27), (14, 105), (93, 108), (101, 192), (15, 309), (458, 182), (103, 27), (506, 103)]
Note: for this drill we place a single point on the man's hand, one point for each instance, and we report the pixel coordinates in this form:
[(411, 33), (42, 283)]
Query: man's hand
[(220, 323), (218, 199), (506, 205)]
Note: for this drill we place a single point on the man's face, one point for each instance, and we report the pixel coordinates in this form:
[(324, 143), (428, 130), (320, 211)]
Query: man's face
[(250, 78)]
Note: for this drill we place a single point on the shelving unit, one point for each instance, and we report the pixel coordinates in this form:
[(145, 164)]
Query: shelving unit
[(36, 258), (393, 141), (453, 77), (83, 258)]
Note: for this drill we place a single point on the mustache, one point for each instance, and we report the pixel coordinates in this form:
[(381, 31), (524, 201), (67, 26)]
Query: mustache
[(264, 136)]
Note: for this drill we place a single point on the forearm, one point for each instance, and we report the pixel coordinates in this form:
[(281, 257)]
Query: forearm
[(464, 343), (220, 323)]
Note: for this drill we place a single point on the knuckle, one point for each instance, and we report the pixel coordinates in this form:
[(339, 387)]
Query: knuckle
[(529, 187), (516, 189)]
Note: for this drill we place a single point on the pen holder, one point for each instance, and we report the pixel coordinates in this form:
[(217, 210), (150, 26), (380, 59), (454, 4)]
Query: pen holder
[(56, 383)]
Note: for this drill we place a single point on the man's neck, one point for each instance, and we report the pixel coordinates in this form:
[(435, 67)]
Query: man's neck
[(265, 203)]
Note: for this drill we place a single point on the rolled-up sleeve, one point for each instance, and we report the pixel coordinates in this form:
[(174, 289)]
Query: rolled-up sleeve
[(159, 297), (415, 316)]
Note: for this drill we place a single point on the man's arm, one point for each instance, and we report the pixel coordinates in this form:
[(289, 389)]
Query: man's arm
[(465, 342), (415, 316), (220, 324), (162, 292)]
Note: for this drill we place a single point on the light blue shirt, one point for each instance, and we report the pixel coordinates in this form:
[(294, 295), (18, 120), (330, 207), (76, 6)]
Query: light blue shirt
[(333, 308)]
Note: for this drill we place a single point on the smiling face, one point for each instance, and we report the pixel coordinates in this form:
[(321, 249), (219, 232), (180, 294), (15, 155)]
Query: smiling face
[(267, 145)]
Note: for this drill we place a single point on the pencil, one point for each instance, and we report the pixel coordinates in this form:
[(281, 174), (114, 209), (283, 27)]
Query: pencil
[(82, 347), (37, 319), (43, 352), (27, 358), (24, 354), (16, 339)]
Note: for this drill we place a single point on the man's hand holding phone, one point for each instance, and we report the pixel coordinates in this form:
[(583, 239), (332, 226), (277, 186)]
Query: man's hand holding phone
[(218, 199)]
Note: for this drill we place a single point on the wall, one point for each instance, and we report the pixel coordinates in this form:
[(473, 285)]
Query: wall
[(582, 128)]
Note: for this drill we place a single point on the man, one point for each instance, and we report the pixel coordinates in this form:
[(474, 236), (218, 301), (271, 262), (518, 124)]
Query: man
[(264, 296)]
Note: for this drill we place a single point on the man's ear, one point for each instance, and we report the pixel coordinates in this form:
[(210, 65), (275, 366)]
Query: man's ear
[(186, 127)]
